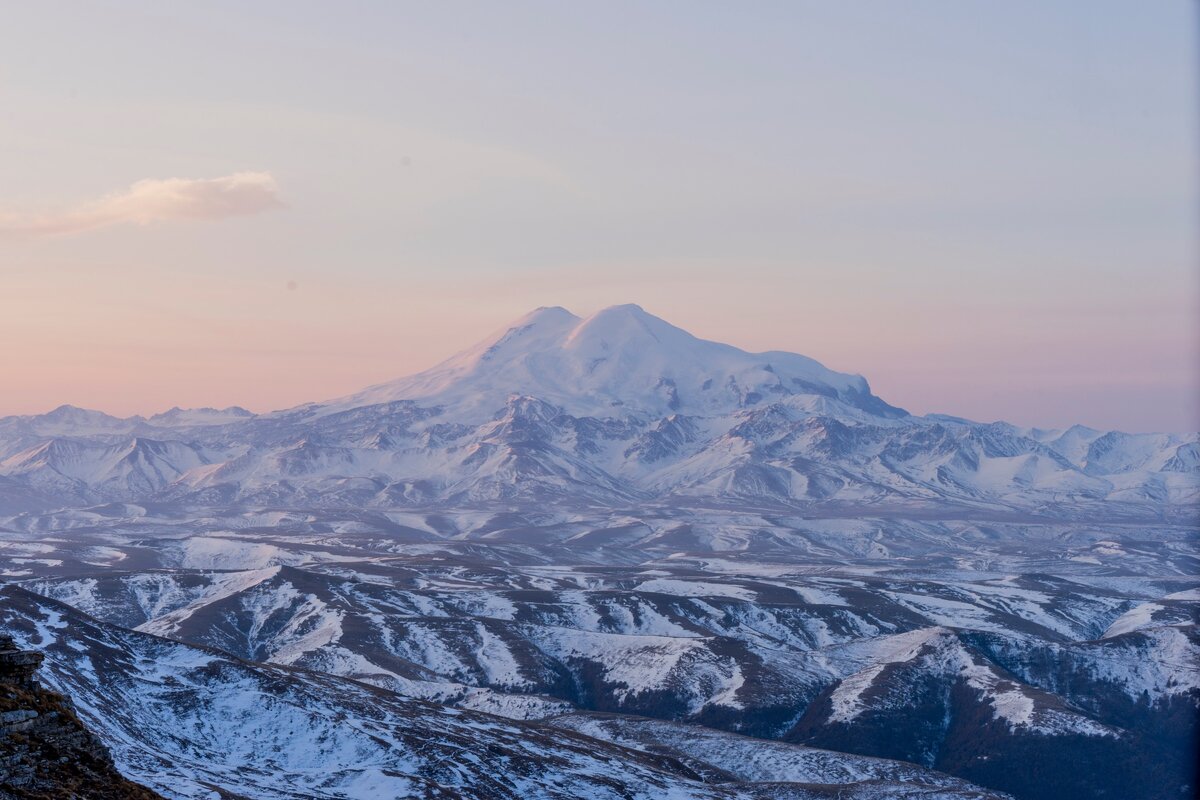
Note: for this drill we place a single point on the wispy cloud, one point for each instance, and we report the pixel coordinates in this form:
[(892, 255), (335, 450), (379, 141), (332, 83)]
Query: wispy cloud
[(151, 201)]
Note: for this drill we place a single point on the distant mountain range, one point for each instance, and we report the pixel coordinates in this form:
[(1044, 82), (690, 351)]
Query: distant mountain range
[(621, 409)]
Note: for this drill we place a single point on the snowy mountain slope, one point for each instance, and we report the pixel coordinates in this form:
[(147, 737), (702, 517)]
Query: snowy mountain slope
[(453, 626), (533, 614), (965, 714), (743, 758), (903, 667), (134, 468), (851, 658), (619, 358), (168, 710), (617, 408)]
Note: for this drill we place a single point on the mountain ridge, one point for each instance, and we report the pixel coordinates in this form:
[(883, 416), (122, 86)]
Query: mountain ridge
[(616, 408)]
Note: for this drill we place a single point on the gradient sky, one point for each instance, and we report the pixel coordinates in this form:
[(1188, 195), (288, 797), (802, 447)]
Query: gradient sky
[(987, 209)]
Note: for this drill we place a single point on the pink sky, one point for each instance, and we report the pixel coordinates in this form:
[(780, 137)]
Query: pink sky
[(986, 211), (262, 345)]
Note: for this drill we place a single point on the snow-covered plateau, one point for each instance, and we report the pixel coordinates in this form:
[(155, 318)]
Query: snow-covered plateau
[(594, 558)]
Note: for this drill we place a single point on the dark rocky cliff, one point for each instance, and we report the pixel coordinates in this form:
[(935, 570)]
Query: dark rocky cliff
[(46, 753)]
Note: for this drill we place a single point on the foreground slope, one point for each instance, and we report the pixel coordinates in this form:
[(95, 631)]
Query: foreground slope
[(1003, 680), (188, 720)]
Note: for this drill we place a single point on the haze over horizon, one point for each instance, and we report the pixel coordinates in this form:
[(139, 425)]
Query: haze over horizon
[(985, 211)]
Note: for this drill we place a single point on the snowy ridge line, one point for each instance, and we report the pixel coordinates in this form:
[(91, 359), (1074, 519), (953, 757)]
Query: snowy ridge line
[(621, 408)]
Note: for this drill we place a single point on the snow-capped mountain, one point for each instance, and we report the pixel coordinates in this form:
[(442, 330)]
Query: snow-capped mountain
[(618, 408), (619, 362)]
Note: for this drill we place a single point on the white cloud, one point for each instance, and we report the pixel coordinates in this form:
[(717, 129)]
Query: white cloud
[(153, 201)]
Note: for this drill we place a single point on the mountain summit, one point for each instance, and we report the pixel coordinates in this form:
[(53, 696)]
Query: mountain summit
[(621, 407), (620, 361)]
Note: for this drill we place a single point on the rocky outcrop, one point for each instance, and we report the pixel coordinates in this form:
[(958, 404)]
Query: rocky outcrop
[(46, 753), (17, 666)]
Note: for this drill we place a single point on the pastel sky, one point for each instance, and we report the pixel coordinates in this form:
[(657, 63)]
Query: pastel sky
[(987, 209)]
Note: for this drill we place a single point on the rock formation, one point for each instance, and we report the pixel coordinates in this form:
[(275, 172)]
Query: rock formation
[(46, 753)]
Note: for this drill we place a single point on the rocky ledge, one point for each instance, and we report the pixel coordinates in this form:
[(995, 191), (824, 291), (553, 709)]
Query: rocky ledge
[(46, 753)]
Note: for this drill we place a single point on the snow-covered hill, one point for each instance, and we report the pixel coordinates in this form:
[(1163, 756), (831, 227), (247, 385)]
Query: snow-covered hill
[(187, 720), (992, 677)]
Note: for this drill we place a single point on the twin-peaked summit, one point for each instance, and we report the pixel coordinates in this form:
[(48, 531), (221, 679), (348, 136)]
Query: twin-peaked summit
[(620, 361), (617, 408)]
